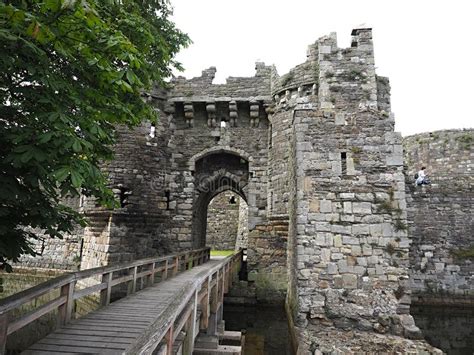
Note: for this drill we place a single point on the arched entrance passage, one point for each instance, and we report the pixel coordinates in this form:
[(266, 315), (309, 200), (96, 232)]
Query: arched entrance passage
[(215, 173), (227, 222)]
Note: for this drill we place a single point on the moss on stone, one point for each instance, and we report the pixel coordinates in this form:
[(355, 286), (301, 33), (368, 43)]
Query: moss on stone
[(467, 253)]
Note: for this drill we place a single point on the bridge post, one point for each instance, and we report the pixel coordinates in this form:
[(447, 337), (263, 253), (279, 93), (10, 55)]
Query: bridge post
[(105, 293), (3, 331), (169, 340), (151, 280), (164, 273), (227, 272), (176, 265), (214, 308), (186, 261), (188, 345), (134, 280), (205, 303), (65, 310)]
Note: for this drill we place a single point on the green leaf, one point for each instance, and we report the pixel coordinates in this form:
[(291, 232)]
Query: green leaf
[(61, 174), (130, 77), (76, 146), (76, 179), (25, 157), (45, 137)]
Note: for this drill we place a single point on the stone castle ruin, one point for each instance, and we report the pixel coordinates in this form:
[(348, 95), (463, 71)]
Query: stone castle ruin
[(334, 225)]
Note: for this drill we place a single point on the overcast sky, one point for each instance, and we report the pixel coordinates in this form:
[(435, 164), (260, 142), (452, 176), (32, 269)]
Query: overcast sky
[(424, 47)]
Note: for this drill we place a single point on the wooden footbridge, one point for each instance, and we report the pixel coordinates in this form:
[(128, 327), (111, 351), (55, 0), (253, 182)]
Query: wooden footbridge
[(170, 305)]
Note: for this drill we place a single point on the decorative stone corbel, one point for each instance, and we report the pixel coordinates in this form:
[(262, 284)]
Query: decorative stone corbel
[(189, 113), (254, 114), (211, 114), (169, 107), (233, 114)]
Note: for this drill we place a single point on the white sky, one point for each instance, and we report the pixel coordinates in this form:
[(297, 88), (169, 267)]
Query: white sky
[(425, 47)]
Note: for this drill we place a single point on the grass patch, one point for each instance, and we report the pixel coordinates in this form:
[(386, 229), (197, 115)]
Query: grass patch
[(390, 248), (385, 207), (399, 225), (222, 252)]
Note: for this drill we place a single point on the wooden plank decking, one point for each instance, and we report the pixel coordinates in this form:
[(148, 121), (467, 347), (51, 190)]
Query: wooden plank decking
[(118, 327)]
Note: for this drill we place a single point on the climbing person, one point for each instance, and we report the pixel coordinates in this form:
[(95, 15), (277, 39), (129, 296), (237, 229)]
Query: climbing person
[(421, 177)]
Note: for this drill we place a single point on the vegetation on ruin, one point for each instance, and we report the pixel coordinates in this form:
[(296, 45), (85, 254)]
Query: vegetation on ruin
[(353, 74), (465, 140), (356, 150), (390, 248), (70, 72), (467, 253), (399, 225), (316, 72), (329, 74), (385, 207), (287, 78)]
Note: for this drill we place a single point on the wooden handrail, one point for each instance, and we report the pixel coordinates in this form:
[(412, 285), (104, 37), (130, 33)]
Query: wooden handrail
[(165, 329), (68, 294)]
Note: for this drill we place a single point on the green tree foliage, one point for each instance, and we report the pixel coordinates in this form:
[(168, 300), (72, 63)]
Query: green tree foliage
[(70, 72)]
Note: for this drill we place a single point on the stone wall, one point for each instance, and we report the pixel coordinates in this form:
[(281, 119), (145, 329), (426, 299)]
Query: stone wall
[(55, 253), (223, 221), (441, 215), (267, 260), (243, 226), (137, 176)]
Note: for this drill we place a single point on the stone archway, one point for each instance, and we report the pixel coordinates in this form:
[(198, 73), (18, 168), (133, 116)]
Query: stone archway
[(214, 173)]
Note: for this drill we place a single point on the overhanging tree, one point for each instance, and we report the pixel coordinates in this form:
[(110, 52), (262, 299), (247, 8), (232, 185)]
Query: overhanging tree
[(70, 72)]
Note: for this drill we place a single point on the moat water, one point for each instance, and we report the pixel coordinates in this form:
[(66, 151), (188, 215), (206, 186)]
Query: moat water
[(266, 328), (450, 329)]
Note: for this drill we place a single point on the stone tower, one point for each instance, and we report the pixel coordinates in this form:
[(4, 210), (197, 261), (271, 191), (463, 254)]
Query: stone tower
[(348, 244)]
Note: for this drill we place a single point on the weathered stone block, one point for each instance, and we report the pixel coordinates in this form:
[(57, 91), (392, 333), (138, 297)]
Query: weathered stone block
[(325, 206), (362, 207), (349, 281)]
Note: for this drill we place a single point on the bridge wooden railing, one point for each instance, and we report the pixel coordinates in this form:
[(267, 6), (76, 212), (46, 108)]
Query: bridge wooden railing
[(142, 271), (204, 294)]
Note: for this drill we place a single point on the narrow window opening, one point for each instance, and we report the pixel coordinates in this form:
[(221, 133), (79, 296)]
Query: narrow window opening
[(232, 200), (270, 138), (343, 163), (167, 195), (152, 130), (43, 246), (217, 139), (81, 250), (123, 194)]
